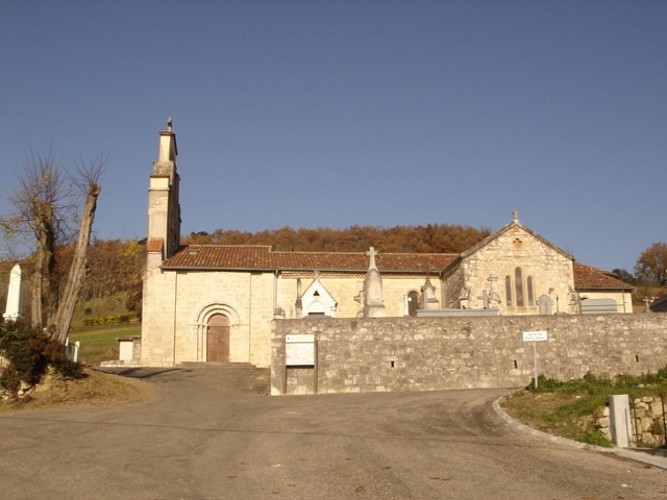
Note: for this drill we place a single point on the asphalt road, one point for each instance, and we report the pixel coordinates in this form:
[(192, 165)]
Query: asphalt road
[(207, 436)]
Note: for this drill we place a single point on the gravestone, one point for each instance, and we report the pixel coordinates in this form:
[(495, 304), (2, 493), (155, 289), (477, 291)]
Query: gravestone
[(14, 309), (457, 313), (545, 304), (428, 295), (599, 306)]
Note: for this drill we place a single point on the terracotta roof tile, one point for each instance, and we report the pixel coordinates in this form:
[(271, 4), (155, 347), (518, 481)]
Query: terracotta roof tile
[(155, 245), (587, 277), (262, 258)]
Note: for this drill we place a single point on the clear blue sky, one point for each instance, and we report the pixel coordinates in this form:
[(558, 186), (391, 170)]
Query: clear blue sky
[(335, 113)]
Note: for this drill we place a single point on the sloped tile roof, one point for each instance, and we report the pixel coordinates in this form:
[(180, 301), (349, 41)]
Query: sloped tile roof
[(587, 278), (262, 258)]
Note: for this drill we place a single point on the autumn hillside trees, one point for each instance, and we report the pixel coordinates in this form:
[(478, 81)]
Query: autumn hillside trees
[(432, 238), (652, 264)]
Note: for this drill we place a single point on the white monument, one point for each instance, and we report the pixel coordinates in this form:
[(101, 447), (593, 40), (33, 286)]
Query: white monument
[(374, 303), (14, 309)]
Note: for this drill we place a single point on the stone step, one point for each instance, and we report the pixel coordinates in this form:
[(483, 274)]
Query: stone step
[(223, 366)]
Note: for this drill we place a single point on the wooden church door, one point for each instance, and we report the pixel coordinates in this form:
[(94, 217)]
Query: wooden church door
[(217, 338)]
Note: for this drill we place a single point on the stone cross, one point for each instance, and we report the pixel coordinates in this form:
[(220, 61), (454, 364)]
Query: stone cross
[(545, 304), (494, 298), (14, 308), (485, 298), (515, 214), (372, 253), (647, 303), (492, 279), (406, 305)]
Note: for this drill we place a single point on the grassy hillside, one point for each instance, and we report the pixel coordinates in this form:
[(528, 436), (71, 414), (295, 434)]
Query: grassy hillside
[(98, 343)]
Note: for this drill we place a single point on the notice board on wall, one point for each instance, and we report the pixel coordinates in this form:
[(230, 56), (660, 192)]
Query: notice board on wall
[(300, 350)]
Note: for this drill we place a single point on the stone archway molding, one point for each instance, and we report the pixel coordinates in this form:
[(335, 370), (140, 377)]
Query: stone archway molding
[(201, 321), (209, 310)]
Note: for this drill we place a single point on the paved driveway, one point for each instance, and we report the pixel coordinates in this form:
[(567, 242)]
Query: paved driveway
[(206, 436)]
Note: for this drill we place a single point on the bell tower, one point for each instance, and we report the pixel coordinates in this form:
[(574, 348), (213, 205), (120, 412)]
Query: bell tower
[(164, 210)]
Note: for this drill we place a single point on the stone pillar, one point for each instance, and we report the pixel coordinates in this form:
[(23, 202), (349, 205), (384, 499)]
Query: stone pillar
[(374, 302), (620, 420), (14, 309)]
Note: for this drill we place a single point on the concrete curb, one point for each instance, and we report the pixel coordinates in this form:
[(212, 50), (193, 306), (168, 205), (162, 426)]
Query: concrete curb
[(655, 461)]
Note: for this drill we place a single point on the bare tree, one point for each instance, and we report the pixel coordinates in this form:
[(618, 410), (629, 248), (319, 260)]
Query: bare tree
[(45, 208), (88, 180)]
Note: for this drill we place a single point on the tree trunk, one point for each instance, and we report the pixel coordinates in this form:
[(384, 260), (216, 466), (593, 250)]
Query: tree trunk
[(60, 327), (44, 285), (36, 297)]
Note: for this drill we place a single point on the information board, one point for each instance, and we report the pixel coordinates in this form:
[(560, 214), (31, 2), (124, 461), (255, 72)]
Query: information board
[(536, 336), (300, 350)]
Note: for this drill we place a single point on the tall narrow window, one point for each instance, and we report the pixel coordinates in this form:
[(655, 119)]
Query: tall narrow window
[(529, 286), (518, 283), (508, 290)]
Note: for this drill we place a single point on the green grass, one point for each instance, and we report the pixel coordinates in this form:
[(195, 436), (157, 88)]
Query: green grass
[(567, 408), (100, 344), (106, 306)]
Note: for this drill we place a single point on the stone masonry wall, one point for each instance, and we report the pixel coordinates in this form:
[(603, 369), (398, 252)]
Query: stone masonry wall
[(550, 271), (648, 422), (413, 354)]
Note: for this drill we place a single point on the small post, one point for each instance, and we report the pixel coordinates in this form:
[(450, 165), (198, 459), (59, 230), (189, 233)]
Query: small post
[(535, 362), (620, 420), (535, 337)]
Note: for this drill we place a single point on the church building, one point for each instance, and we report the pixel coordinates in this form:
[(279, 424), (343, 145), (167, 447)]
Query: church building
[(216, 303)]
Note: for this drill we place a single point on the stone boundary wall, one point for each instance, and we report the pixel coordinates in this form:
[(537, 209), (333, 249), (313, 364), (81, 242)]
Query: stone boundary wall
[(648, 422), (423, 354)]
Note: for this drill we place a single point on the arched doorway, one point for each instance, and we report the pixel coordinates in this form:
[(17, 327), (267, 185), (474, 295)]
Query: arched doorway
[(217, 338)]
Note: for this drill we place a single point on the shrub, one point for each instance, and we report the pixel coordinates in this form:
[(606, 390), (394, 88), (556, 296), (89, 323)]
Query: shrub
[(30, 353), (117, 319)]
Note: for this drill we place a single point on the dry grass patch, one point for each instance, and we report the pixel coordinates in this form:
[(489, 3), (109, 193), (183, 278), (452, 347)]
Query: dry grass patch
[(96, 388), (552, 412)]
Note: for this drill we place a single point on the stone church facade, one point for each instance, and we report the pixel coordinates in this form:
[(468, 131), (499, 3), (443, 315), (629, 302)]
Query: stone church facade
[(216, 303)]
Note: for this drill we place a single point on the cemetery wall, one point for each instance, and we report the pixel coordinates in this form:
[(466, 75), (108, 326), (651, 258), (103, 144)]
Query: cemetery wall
[(422, 354)]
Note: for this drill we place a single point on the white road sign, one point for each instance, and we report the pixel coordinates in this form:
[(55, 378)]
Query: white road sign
[(536, 336)]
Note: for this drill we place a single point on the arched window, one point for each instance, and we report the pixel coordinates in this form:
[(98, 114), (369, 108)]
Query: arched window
[(518, 285), (529, 287), (413, 302), (508, 290)]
